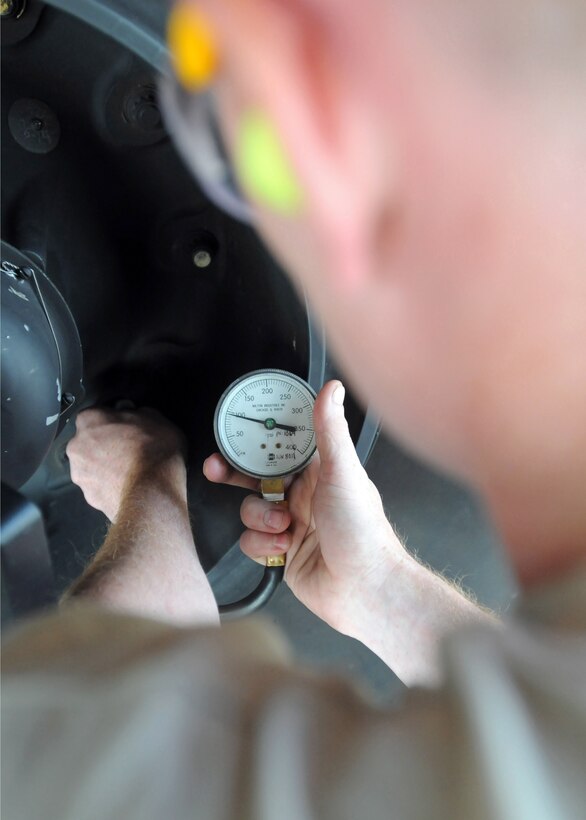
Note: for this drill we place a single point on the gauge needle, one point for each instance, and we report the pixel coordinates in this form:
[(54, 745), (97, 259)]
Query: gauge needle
[(268, 423)]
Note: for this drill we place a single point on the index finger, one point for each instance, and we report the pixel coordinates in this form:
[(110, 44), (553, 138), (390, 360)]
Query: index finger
[(217, 470)]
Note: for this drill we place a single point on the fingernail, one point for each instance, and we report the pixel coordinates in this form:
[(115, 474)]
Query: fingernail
[(338, 395), (193, 47), (281, 541), (274, 519), (263, 166)]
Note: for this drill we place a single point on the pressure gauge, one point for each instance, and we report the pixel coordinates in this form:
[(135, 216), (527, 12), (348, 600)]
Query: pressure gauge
[(264, 424)]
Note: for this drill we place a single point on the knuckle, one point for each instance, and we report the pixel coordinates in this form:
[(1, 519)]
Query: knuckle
[(253, 543), (81, 419), (247, 510), (90, 418), (223, 471), (247, 542)]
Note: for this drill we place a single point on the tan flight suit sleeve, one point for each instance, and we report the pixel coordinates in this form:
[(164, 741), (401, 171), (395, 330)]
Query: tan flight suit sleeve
[(110, 716)]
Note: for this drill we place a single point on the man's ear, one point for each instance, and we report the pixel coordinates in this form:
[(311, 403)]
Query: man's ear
[(298, 64)]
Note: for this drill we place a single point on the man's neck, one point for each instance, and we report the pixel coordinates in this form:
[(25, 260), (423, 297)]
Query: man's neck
[(543, 529)]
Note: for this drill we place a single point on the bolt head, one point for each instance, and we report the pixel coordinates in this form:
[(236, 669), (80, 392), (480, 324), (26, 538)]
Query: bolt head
[(202, 258), (149, 116), (7, 8)]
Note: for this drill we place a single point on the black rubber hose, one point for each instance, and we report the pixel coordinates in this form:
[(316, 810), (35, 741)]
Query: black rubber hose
[(256, 599)]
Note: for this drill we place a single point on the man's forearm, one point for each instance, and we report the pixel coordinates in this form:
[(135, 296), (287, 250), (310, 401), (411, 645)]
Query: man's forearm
[(148, 564), (406, 618)]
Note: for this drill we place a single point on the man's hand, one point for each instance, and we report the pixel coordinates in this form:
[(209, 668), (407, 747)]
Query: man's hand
[(113, 451), (339, 544), (130, 466), (344, 561)]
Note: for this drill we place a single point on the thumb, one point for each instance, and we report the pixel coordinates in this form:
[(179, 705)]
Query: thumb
[(336, 450)]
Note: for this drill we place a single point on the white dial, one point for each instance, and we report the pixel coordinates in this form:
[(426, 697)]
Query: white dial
[(264, 423)]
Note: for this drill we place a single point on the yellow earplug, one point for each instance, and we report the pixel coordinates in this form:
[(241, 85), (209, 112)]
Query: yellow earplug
[(193, 47), (263, 167)]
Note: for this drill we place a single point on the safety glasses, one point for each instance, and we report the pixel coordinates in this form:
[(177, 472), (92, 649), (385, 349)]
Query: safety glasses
[(191, 121)]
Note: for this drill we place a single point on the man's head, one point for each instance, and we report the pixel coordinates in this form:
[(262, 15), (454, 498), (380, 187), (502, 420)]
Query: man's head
[(441, 151)]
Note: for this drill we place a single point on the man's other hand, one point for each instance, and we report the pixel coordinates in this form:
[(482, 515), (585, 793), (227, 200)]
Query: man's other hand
[(340, 547), (113, 451)]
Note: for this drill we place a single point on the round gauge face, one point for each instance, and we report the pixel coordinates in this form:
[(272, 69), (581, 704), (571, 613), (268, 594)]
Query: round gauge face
[(264, 423)]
